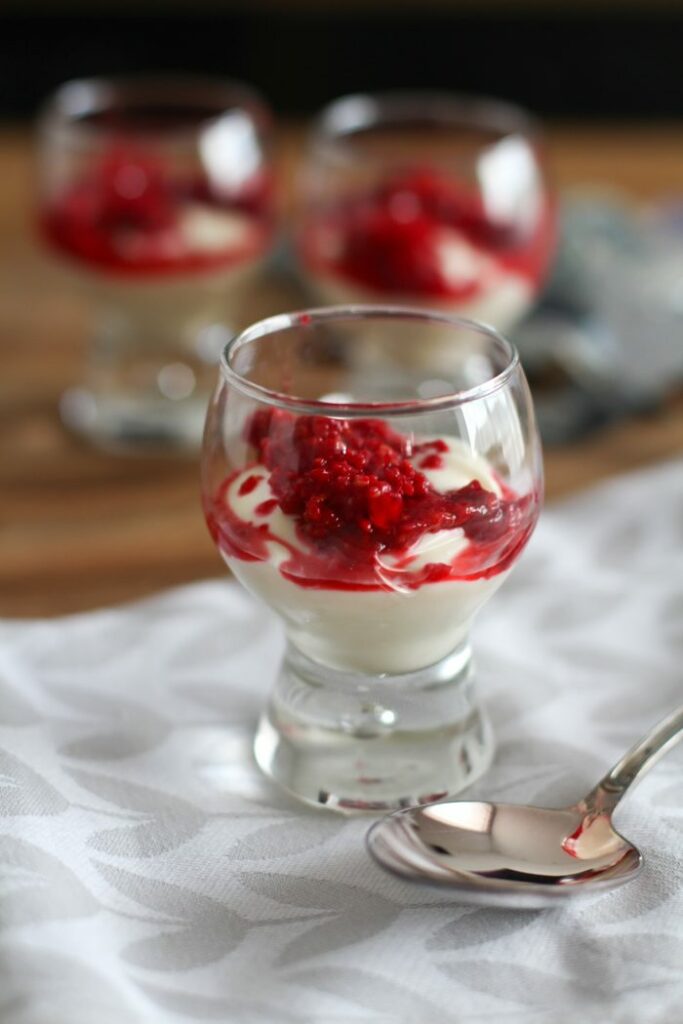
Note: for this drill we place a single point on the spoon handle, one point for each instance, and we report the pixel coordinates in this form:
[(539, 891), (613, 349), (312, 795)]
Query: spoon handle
[(636, 762)]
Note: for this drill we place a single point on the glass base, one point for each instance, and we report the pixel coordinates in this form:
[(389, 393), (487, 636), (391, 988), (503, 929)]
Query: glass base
[(373, 743), (126, 423), (150, 368)]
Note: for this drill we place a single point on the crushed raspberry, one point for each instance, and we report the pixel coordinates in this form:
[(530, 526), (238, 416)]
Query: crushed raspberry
[(250, 484), (123, 215), (434, 450), (132, 191), (393, 255), (390, 239), (265, 508), (431, 462), (351, 483), (355, 495), (442, 200)]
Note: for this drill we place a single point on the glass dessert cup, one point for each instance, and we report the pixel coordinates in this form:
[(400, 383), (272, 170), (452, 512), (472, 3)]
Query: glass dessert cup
[(430, 199), (157, 195), (375, 514)]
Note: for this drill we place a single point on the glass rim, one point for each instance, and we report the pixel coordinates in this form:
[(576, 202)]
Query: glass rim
[(63, 112), (354, 410), (337, 123)]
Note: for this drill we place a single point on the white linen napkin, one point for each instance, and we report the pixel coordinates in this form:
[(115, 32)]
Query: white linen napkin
[(149, 874)]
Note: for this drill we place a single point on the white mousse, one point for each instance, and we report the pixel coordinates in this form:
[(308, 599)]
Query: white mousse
[(502, 301), (502, 297)]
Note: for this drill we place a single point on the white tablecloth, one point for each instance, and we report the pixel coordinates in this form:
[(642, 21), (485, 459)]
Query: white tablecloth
[(148, 874)]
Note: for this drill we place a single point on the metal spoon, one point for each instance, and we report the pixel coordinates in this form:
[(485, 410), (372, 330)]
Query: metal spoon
[(518, 856)]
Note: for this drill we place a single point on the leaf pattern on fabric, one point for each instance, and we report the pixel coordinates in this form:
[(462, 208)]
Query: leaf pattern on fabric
[(27, 874), (617, 725), (671, 619), (206, 645), (353, 914), (204, 929), (581, 765), (122, 728), (658, 951), (391, 997), (47, 986), (582, 611), (200, 1007), (15, 709), (478, 927), (516, 983), (549, 753), (286, 839), (619, 543), (597, 659), (656, 884), (506, 705), (669, 796), (627, 964), (24, 791), (230, 705), (158, 822), (508, 782)]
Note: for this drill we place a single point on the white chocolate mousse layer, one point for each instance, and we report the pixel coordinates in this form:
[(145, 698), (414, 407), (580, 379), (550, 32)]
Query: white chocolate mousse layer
[(501, 299), (502, 302)]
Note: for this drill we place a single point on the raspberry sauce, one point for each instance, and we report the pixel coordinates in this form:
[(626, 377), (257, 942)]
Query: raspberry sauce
[(392, 238), (360, 503), (125, 216)]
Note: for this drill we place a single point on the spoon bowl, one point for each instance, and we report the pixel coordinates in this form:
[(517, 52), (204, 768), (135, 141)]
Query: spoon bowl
[(519, 856), (504, 853)]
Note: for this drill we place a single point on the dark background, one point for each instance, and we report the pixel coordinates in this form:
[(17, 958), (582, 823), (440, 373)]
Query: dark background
[(581, 59)]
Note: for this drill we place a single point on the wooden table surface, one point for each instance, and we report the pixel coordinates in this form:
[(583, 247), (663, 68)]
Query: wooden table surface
[(80, 529)]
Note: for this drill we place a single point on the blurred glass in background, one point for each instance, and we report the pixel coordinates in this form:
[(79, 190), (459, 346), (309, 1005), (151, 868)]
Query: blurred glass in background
[(157, 194)]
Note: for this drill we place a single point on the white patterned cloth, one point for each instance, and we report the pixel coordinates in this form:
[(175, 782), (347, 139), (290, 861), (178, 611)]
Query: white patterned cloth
[(149, 874)]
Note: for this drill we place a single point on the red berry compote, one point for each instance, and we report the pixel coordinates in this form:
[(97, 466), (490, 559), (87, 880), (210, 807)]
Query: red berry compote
[(376, 547), (131, 219), (425, 237)]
